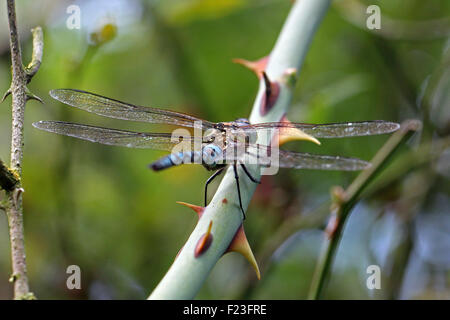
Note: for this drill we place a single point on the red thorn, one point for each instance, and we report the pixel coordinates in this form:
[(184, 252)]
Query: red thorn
[(257, 67), (197, 209), (224, 201), (332, 226), (240, 244), (271, 95), (204, 242)]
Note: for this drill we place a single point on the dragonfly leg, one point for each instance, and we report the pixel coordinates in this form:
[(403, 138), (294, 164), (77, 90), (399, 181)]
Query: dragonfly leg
[(248, 174), (215, 174), (238, 188)]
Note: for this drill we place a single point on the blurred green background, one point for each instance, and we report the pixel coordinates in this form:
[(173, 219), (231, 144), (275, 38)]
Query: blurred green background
[(100, 208)]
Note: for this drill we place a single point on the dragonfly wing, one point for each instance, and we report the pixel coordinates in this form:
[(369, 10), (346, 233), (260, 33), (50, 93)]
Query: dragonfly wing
[(268, 156), (130, 139), (330, 130), (120, 110), (297, 160)]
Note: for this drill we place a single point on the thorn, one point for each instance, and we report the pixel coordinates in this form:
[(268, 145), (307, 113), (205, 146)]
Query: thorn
[(18, 193), (332, 225), (197, 209), (257, 67), (287, 134), (268, 85), (338, 195), (7, 93), (31, 96), (240, 244), (204, 242), (271, 94)]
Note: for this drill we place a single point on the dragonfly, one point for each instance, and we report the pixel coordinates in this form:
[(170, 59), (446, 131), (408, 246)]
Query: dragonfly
[(216, 148)]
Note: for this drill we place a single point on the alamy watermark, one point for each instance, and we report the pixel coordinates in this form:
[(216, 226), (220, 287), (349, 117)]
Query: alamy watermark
[(74, 280), (73, 21), (374, 279), (374, 20)]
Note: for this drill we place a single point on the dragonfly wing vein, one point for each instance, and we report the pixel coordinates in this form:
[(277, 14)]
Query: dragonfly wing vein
[(269, 156), (330, 130), (130, 139), (111, 108)]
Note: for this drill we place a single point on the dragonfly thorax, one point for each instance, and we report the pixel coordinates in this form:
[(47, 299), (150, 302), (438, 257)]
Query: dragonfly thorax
[(239, 134)]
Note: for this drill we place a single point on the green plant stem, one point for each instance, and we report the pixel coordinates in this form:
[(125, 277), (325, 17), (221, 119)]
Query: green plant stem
[(345, 201), (187, 274)]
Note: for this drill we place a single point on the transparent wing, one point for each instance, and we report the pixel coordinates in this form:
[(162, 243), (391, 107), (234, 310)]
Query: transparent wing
[(130, 139), (120, 110), (329, 130), (267, 156), (290, 159)]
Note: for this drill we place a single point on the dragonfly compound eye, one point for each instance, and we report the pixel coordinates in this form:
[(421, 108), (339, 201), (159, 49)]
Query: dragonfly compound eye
[(212, 154)]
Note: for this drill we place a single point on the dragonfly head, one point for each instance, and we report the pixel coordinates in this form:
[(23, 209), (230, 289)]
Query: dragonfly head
[(214, 136)]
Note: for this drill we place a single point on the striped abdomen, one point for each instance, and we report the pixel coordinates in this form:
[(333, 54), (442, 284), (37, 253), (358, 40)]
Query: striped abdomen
[(176, 159)]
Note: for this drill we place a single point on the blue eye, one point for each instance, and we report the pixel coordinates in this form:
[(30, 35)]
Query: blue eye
[(215, 150), (211, 152)]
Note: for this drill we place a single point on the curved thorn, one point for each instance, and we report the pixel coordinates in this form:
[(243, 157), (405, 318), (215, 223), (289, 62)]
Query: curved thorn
[(31, 96), (7, 93)]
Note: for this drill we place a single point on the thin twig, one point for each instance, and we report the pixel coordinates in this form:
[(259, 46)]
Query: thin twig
[(344, 201), (38, 51), (13, 201)]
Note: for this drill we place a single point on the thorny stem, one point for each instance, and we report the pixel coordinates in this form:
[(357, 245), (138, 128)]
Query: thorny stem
[(13, 201), (344, 201), (8, 180), (187, 274)]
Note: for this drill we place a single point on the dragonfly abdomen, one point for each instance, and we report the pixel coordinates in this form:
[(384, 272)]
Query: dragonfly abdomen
[(176, 159)]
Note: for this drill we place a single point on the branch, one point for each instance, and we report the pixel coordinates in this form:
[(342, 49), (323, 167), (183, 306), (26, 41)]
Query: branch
[(187, 274), (38, 51), (8, 180), (20, 95), (344, 201)]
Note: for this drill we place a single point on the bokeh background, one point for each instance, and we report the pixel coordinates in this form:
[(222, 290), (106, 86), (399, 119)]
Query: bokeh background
[(100, 208)]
